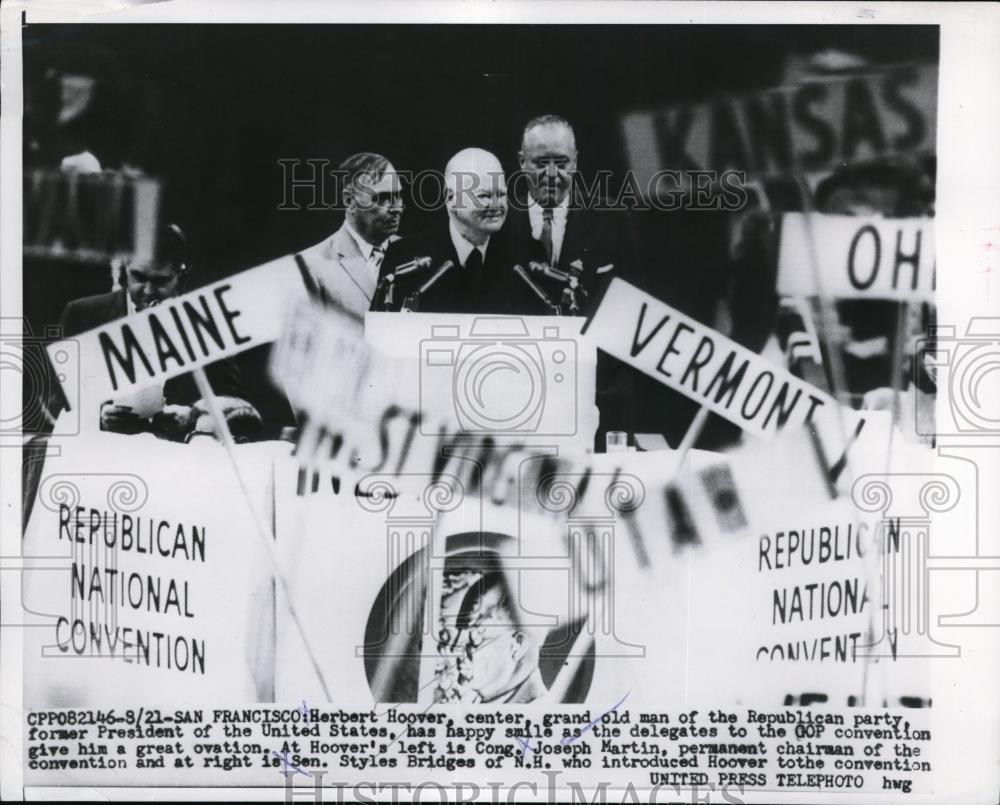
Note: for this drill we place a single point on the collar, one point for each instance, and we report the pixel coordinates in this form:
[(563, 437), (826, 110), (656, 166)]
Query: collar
[(130, 308), (463, 248), (364, 246), (559, 212)]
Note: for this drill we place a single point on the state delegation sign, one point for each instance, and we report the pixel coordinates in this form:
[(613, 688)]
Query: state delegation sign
[(811, 126), (183, 333), (848, 257), (701, 363)]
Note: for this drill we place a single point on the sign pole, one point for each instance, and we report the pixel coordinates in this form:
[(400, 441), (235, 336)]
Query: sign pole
[(873, 682), (265, 534)]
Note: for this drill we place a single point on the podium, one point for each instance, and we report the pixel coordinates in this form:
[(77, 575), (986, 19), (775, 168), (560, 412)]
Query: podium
[(527, 380)]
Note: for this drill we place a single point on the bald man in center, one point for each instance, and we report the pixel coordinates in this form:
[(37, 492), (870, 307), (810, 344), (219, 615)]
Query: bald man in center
[(470, 247)]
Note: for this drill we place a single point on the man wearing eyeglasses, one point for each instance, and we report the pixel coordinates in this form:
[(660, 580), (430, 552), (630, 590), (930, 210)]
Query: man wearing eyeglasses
[(499, 655), (169, 410), (344, 268)]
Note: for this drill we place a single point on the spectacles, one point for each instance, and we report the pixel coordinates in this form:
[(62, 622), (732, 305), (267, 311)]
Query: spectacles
[(387, 199)]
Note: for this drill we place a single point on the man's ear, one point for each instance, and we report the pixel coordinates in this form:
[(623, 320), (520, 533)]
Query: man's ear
[(520, 159), (519, 644)]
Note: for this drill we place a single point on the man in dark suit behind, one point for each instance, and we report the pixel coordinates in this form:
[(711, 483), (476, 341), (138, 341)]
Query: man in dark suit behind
[(561, 225), (479, 277), (146, 285), (557, 222)]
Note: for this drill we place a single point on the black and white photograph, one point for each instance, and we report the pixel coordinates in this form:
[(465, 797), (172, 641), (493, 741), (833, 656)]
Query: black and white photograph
[(566, 401)]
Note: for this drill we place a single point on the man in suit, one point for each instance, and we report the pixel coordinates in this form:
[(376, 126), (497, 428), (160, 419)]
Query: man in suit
[(559, 224), (499, 654), (344, 268), (471, 250), (146, 285)]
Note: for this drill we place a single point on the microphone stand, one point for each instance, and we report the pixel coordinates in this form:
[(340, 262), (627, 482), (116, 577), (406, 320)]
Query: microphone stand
[(387, 283), (571, 279), (556, 310)]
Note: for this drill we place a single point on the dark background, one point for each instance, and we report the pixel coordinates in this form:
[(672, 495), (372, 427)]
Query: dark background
[(210, 109)]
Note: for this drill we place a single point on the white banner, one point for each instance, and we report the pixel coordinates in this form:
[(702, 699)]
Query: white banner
[(703, 364), (847, 257), (815, 125), (183, 333), (527, 379), (149, 580)]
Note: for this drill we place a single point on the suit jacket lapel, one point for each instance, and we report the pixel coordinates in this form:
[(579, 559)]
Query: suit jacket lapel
[(349, 256), (573, 238)]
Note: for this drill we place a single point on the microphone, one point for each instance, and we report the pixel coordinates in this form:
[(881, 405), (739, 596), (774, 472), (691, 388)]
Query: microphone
[(446, 266), (548, 271), (415, 264), (519, 270)]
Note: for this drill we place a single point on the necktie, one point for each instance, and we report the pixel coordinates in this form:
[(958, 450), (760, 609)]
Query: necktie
[(376, 257), (546, 238), (472, 277), (474, 265)]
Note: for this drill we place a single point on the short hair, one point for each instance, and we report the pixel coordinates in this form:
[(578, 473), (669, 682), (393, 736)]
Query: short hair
[(172, 245), (547, 120), (365, 164), (171, 248)]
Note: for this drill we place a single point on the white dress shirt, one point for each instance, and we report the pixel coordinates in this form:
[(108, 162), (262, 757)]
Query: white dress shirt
[(368, 249), (463, 248), (559, 215)]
